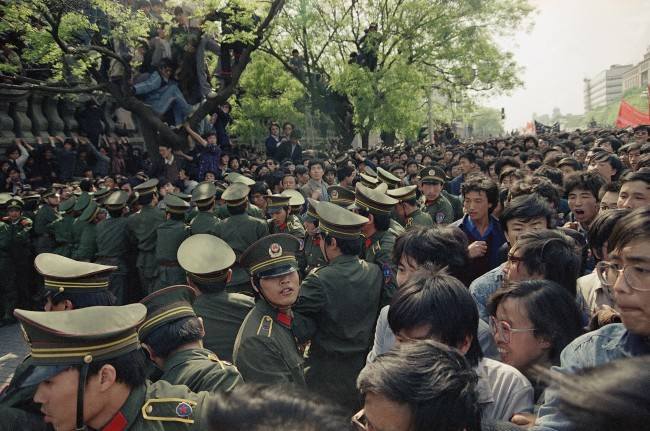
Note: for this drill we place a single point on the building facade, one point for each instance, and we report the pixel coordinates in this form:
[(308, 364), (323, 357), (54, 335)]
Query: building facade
[(605, 87), (637, 76)]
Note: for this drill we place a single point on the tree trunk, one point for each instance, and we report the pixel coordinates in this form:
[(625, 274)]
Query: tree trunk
[(365, 138)]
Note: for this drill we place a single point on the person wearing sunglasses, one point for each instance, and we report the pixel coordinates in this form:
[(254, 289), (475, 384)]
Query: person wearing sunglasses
[(627, 273)]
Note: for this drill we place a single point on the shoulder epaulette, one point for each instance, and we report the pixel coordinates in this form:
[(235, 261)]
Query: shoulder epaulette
[(376, 247), (315, 269), (214, 358), (266, 326), (169, 410)]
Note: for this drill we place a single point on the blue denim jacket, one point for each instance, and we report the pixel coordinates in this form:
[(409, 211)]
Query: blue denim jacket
[(483, 287), (595, 348)]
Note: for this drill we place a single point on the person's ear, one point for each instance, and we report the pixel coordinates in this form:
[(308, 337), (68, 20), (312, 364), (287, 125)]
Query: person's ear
[(466, 344), (505, 233), (229, 276), (107, 377), (148, 351), (544, 342), (202, 326), (68, 305)]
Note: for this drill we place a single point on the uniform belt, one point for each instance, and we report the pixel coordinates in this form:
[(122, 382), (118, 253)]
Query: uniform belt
[(168, 263)]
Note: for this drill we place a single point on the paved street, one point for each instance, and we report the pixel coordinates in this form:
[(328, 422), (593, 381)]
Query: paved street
[(12, 351)]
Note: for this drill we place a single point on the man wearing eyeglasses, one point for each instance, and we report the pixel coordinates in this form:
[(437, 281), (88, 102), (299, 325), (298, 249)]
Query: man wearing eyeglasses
[(627, 272)]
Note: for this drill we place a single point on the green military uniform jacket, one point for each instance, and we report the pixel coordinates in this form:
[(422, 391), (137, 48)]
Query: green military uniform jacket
[(337, 310), (378, 249), (397, 228), (204, 222), (200, 370), (456, 203), (161, 406), (87, 248), (142, 229), (266, 349), (313, 256), (17, 407), (78, 227), (252, 210), (63, 238), (240, 231), (418, 218), (169, 236), (113, 238), (293, 226), (44, 241), (222, 314), (440, 210)]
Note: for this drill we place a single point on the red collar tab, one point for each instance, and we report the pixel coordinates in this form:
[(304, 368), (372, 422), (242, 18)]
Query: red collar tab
[(284, 318), (118, 423), (368, 242)]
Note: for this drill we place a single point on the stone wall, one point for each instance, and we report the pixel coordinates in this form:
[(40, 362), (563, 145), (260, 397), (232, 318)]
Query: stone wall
[(31, 114)]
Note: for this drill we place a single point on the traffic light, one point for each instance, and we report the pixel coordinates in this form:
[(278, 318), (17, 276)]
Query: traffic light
[(503, 113)]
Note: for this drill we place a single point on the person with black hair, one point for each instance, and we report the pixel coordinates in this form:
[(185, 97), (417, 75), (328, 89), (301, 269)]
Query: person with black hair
[(266, 349), (281, 221), (568, 166), (419, 247), (635, 189), (468, 165), (436, 204), (532, 322), (345, 176), (481, 197), (313, 255), (92, 373), (598, 299), (315, 188), (261, 408), (338, 306), (172, 336), (522, 214), (607, 165), (419, 386), (608, 196), (436, 306), (582, 192), (626, 273), (142, 231)]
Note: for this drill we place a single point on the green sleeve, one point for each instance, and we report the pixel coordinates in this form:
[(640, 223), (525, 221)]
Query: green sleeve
[(259, 360), (87, 250), (308, 307)]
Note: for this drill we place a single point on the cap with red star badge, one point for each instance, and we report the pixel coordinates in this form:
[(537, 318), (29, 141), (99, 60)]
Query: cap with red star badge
[(271, 256)]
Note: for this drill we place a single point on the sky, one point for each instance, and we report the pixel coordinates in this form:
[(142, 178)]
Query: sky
[(571, 40)]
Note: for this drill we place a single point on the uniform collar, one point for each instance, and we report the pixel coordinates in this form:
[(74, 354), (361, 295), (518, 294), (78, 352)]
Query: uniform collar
[(183, 356), (128, 412), (280, 317)]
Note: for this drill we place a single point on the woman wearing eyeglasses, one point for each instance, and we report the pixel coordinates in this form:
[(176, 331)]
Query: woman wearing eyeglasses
[(532, 321)]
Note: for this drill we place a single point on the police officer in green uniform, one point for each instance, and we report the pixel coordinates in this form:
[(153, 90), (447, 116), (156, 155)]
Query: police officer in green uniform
[(113, 246), (45, 216), (79, 225), (252, 210), (378, 236), (89, 369), (169, 236), (205, 220), (62, 228), (265, 348), (172, 337), (4, 198), (296, 202), (191, 212), (142, 229), (20, 275), (341, 196), (207, 260), (239, 231), (338, 307), (87, 248), (387, 178), (278, 208), (408, 209), (68, 285), (101, 195), (369, 181), (313, 255), (432, 181)]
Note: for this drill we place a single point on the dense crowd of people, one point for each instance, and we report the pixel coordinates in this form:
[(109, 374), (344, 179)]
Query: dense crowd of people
[(457, 286)]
